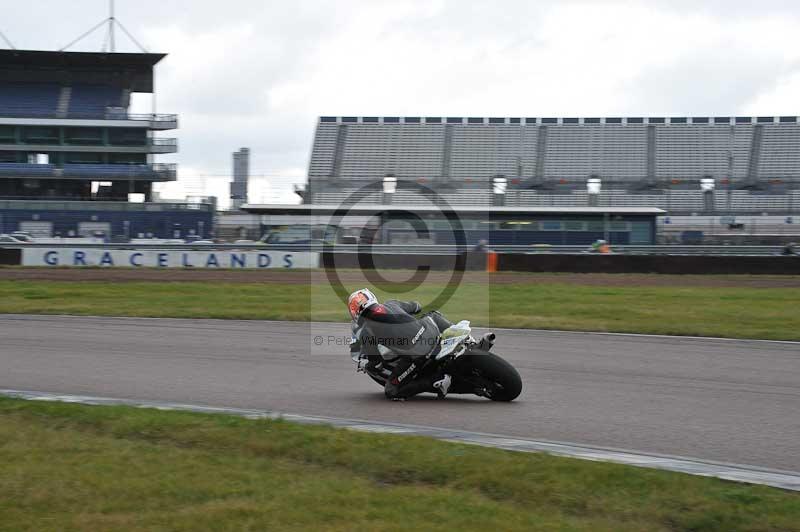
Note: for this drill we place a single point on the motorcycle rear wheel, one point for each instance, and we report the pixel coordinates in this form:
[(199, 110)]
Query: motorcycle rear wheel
[(486, 366)]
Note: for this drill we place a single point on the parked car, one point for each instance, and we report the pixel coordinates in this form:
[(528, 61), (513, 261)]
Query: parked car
[(301, 234), (8, 239), (22, 235)]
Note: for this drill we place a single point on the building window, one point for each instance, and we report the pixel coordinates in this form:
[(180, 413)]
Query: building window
[(472, 120), (614, 120), (636, 120), (350, 119), (700, 120), (655, 120), (573, 225), (7, 134), (497, 120), (514, 120), (127, 137), (570, 121), (391, 119), (370, 119), (530, 120), (743, 120), (677, 120), (788, 119), (765, 119), (41, 135), (433, 120), (412, 120), (327, 119), (591, 120), (722, 120), (454, 120), (549, 120)]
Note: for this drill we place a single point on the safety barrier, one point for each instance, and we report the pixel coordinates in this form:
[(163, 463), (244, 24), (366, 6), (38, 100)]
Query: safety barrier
[(10, 257), (446, 259), (428, 249), (673, 264)]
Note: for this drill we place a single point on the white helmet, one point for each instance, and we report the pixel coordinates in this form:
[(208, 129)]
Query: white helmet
[(360, 300)]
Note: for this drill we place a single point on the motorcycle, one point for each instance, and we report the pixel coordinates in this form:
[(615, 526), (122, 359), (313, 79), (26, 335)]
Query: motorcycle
[(473, 368)]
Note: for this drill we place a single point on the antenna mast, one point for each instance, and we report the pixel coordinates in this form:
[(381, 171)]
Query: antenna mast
[(8, 42), (111, 22)]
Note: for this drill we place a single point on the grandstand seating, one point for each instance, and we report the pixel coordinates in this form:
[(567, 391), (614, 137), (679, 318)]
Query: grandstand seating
[(110, 170), (28, 99), (615, 153), (656, 162), (27, 170), (98, 171), (627, 151), (91, 101), (47, 100)]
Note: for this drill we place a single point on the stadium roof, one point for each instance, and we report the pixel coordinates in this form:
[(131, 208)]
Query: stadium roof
[(421, 209), (560, 121), (133, 70), (43, 58)]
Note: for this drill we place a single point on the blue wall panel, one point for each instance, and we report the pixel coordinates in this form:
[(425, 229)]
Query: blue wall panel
[(160, 224)]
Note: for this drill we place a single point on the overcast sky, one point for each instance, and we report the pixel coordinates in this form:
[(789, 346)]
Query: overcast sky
[(256, 73)]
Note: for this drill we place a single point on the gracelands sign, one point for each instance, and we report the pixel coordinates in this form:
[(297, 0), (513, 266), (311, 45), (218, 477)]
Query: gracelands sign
[(133, 258)]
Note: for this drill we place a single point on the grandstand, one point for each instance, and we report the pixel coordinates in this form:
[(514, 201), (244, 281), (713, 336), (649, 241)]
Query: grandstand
[(749, 164), (69, 143)]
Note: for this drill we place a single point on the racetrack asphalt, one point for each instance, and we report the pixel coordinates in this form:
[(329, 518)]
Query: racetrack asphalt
[(714, 399)]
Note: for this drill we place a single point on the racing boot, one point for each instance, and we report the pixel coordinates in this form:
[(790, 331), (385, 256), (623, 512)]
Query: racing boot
[(443, 385)]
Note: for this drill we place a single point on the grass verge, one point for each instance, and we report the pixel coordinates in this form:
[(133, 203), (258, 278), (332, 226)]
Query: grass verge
[(73, 467), (734, 312)]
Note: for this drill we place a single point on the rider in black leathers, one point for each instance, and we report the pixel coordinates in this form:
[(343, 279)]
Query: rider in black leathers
[(410, 338)]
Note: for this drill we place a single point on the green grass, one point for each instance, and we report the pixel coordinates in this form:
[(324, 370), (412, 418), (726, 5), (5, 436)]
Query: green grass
[(72, 467), (743, 312)]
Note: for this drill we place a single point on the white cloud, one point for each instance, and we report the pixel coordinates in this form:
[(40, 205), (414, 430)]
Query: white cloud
[(257, 74)]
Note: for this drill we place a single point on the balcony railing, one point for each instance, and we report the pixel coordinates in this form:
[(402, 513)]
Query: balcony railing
[(73, 205), (109, 114), (155, 144), (98, 172), (156, 141)]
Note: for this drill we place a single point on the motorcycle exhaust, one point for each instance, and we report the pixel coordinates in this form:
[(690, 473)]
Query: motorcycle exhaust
[(487, 341)]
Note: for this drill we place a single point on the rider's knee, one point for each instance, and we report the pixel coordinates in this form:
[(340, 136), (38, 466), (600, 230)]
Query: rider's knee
[(391, 391), (441, 322)]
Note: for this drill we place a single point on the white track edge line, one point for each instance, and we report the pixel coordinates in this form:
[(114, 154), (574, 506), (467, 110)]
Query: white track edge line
[(787, 480)]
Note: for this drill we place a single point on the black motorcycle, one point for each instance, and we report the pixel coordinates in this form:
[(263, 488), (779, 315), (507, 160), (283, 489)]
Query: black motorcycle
[(474, 369)]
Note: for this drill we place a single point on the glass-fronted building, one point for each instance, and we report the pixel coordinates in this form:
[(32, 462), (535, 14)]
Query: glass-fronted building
[(386, 224)]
